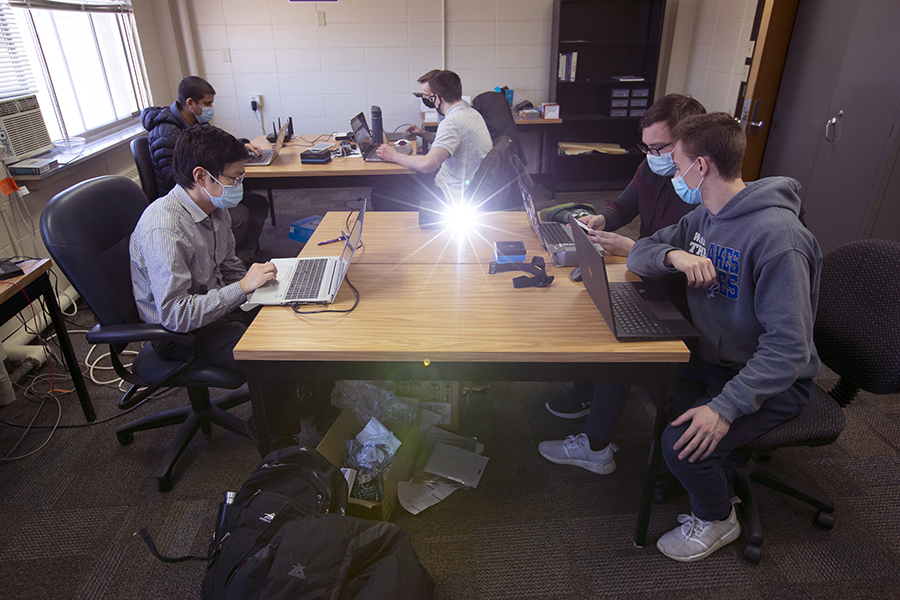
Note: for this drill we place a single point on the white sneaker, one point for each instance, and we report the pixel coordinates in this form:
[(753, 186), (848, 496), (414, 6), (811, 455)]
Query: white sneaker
[(576, 450), (696, 539)]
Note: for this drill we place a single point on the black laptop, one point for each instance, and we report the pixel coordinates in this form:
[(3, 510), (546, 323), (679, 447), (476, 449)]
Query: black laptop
[(633, 310)]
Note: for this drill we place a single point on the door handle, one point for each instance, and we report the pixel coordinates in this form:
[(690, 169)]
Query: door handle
[(833, 128), (754, 124)]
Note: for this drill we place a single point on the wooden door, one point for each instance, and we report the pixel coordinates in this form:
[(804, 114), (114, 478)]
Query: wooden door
[(773, 27)]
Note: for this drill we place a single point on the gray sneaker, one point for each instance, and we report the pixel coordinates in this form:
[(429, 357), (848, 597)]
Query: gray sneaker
[(576, 450), (696, 539)]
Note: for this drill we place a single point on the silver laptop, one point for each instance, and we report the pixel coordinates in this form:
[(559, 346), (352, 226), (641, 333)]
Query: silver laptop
[(267, 157), (311, 280), (633, 310), (363, 136), (554, 236)]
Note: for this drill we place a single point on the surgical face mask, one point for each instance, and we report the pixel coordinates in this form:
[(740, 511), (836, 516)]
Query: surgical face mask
[(206, 114), (231, 194), (688, 194), (662, 165)]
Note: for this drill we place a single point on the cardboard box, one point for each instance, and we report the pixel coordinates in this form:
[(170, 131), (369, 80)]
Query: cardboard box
[(303, 229), (441, 397), (346, 427), (550, 110)]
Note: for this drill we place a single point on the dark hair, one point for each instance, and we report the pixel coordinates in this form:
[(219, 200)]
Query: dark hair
[(427, 76), (193, 87), (447, 85), (205, 146), (671, 109), (716, 136)]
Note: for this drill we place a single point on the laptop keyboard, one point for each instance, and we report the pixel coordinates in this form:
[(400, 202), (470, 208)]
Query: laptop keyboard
[(307, 279), (555, 233), (628, 314), (258, 158)]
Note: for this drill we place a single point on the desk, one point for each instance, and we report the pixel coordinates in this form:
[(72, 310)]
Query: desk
[(36, 282), (288, 173)]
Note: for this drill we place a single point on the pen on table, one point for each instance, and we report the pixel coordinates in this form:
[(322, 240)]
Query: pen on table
[(340, 238)]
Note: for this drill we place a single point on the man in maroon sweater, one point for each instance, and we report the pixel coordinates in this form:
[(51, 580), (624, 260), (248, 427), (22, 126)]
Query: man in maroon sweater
[(651, 196)]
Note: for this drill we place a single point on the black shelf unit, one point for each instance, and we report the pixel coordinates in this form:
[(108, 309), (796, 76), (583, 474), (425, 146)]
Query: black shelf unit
[(612, 38)]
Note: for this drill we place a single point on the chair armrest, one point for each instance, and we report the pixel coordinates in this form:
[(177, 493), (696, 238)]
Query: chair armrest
[(138, 332)]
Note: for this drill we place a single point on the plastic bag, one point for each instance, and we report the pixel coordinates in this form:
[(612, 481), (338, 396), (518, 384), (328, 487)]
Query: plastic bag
[(371, 399)]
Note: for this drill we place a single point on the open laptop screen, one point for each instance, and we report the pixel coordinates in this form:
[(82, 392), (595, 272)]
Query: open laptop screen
[(361, 132)]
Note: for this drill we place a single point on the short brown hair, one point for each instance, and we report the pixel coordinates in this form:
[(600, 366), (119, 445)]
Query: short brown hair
[(427, 76), (717, 136), (447, 85), (671, 109)]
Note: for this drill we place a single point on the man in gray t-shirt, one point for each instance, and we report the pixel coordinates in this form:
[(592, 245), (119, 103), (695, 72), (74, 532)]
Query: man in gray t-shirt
[(461, 142)]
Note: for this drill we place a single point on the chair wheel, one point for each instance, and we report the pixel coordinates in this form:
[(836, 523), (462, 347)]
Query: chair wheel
[(125, 437), (824, 520), (164, 484), (752, 554)]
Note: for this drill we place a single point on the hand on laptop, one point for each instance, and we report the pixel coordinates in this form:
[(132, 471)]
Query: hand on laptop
[(386, 152), (612, 242), (252, 149), (595, 222), (257, 276), (415, 130)]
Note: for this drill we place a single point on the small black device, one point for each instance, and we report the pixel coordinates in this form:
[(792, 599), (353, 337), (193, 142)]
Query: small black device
[(576, 274), (315, 156), (290, 132), (9, 269), (346, 148), (377, 126), (271, 137)]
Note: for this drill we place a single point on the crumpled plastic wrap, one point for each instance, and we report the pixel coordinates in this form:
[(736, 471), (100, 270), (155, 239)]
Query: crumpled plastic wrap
[(371, 399)]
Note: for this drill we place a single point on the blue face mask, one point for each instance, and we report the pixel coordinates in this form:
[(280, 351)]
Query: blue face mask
[(206, 114), (688, 194), (231, 195), (662, 165)]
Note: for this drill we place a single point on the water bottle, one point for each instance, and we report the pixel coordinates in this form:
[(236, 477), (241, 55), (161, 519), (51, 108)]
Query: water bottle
[(377, 129), (223, 508)]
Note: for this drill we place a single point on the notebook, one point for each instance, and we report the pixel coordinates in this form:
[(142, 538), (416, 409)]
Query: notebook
[(267, 157), (363, 137), (554, 236), (633, 310), (314, 280)]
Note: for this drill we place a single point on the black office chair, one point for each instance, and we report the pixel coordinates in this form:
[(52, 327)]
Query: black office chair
[(857, 334), (498, 117), (493, 186), (87, 229), (140, 150)]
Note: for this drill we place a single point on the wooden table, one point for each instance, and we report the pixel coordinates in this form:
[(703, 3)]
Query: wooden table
[(15, 296), (288, 173)]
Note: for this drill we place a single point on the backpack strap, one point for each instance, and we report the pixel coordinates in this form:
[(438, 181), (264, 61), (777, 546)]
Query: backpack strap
[(166, 559)]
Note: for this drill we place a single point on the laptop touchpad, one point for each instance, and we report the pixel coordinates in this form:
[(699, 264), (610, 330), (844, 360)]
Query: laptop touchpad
[(664, 310)]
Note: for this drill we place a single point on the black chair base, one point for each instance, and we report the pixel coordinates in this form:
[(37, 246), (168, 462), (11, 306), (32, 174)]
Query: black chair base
[(741, 476), (201, 414)]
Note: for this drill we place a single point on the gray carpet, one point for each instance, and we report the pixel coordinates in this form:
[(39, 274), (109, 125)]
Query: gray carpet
[(531, 529)]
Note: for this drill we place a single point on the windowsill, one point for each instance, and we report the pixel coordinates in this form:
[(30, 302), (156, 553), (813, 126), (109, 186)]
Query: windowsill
[(95, 149)]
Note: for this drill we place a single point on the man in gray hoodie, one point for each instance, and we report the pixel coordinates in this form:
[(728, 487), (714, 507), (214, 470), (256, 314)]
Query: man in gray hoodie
[(752, 273)]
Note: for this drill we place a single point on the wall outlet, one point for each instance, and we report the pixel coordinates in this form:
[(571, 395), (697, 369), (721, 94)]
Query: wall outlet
[(256, 99)]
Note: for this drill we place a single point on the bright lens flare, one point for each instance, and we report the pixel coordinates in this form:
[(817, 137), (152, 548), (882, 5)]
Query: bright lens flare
[(460, 218)]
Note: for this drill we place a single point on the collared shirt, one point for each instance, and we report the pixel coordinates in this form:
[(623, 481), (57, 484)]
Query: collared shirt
[(464, 135), (184, 272)]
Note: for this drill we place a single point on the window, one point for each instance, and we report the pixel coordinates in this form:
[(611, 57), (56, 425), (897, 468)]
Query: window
[(83, 60)]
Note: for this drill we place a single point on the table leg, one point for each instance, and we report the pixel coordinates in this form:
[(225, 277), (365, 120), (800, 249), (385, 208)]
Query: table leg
[(260, 419), (271, 207), (65, 345)]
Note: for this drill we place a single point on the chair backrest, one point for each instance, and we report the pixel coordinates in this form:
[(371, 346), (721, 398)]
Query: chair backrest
[(490, 187), (495, 111), (86, 230), (857, 331), (140, 150)]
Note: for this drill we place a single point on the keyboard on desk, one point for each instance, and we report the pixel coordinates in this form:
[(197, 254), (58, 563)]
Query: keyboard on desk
[(307, 279), (261, 158), (628, 313), (555, 233)]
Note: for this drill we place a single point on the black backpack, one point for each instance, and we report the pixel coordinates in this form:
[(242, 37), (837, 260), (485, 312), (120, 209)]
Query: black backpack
[(288, 484)]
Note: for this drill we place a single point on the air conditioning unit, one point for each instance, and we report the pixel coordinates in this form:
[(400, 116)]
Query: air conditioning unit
[(23, 132)]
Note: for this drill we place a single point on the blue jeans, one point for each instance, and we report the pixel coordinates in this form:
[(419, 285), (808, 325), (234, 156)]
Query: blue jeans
[(705, 480)]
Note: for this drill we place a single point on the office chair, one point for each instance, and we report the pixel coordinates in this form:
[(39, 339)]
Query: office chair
[(140, 150), (857, 334), (492, 187), (87, 229), (498, 117)]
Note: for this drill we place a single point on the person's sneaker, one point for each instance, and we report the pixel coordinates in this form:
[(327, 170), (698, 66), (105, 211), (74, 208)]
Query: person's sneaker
[(696, 539), (567, 406), (576, 450)]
